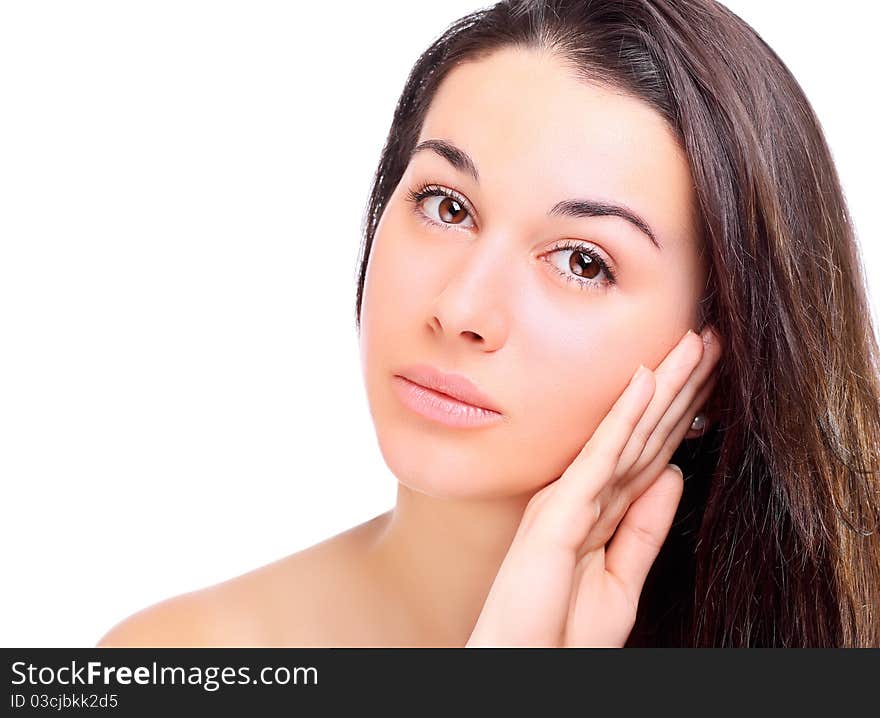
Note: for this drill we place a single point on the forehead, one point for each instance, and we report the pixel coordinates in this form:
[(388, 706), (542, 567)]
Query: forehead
[(524, 118)]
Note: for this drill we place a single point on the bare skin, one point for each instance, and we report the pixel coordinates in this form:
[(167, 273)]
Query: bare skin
[(332, 594), (336, 593), (481, 301)]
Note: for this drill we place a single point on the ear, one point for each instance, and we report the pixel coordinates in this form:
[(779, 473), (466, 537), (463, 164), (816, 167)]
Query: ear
[(710, 411), (712, 408)]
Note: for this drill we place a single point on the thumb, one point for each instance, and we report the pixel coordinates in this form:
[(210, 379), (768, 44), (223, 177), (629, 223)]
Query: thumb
[(642, 531)]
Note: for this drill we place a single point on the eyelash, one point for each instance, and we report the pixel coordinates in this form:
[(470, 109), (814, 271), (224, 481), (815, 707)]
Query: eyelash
[(415, 196)]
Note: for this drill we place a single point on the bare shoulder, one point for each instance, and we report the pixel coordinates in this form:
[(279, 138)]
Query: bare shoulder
[(315, 597), (181, 621)]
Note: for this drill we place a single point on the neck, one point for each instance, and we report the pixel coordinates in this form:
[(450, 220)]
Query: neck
[(441, 555)]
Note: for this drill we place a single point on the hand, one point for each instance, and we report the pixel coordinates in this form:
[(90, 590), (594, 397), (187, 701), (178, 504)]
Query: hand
[(559, 585)]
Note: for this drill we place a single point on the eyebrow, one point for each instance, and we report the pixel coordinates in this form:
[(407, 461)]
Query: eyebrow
[(578, 208)]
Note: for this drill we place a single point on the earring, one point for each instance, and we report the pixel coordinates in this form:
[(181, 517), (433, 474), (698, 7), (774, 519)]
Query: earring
[(699, 422)]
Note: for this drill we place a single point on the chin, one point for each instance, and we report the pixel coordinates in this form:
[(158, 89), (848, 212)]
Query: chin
[(450, 470)]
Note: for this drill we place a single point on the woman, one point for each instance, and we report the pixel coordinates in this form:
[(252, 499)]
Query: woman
[(647, 167)]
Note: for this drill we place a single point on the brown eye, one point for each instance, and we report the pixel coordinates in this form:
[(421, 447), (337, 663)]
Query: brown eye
[(441, 207), (451, 210), (583, 265)]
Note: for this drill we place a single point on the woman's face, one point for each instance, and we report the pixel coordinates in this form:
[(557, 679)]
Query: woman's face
[(478, 285)]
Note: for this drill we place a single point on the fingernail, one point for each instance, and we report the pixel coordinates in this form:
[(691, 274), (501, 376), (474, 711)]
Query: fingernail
[(677, 468)]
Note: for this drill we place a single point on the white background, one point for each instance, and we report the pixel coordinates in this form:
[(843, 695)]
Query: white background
[(181, 192)]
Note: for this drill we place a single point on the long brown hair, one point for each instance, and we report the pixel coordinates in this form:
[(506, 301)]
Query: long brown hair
[(777, 538)]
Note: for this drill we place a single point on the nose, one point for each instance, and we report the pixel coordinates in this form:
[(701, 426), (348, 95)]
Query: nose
[(468, 335), (474, 304)]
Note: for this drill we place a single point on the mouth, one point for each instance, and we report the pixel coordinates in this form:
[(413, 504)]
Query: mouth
[(442, 408), (453, 386)]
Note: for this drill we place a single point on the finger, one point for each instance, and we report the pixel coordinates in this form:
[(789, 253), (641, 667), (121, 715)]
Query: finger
[(566, 514), (679, 406), (615, 500), (676, 436), (672, 375), (637, 542)]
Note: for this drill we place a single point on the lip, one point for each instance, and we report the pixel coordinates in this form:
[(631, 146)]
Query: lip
[(441, 407), (455, 386)]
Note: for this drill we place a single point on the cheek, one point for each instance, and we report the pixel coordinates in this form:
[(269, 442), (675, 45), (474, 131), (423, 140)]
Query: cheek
[(575, 373), (575, 370), (393, 272), (387, 323)]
